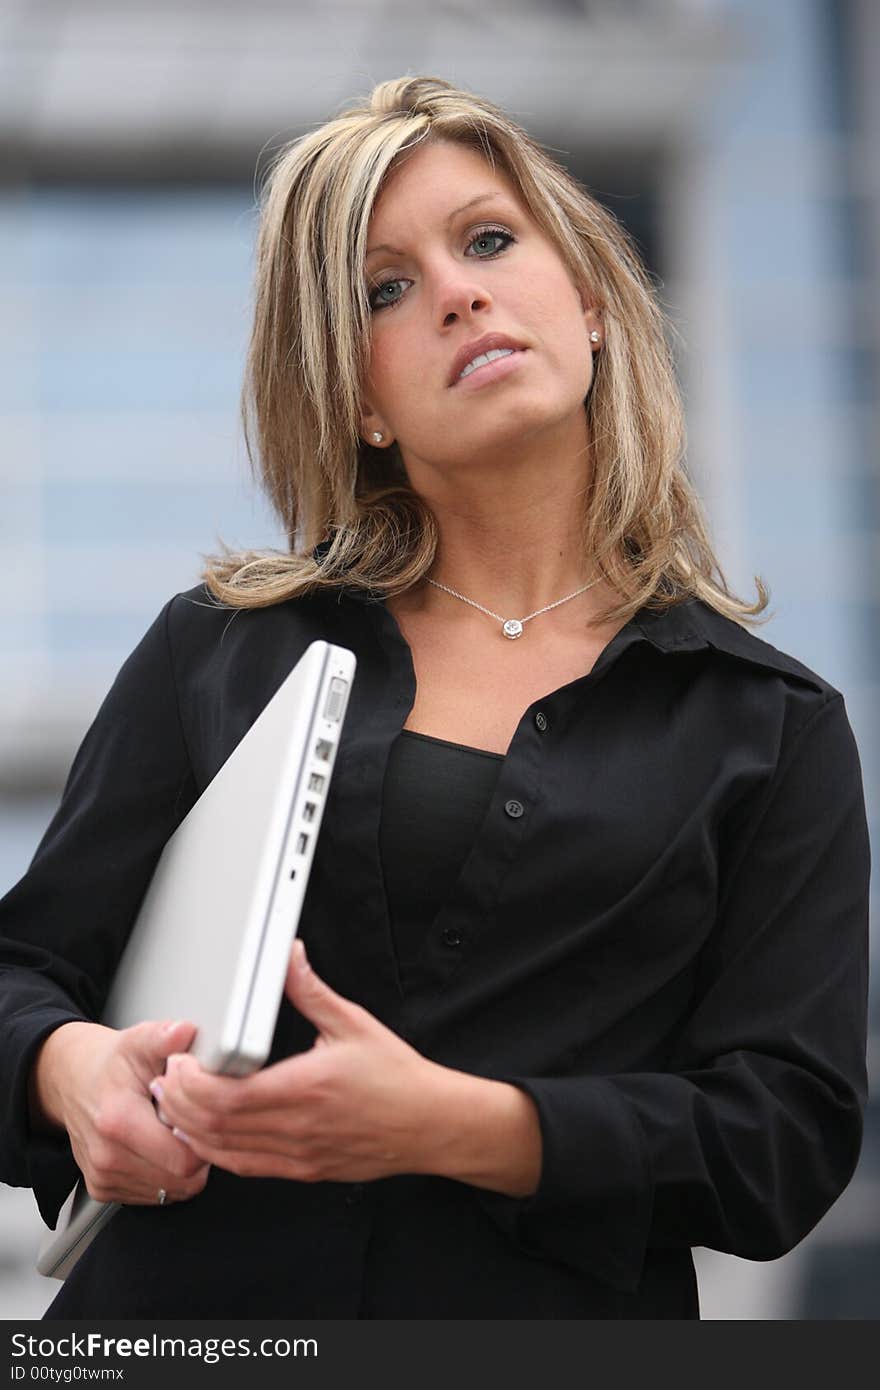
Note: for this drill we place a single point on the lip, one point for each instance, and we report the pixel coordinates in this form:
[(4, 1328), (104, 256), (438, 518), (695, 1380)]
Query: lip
[(474, 349)]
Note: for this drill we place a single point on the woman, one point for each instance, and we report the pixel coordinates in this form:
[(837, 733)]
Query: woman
[(587, 917)]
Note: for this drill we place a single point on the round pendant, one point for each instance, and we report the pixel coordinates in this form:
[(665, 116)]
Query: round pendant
[(512, 628)]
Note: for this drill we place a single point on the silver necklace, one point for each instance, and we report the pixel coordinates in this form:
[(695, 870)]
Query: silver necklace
[(513, 627)]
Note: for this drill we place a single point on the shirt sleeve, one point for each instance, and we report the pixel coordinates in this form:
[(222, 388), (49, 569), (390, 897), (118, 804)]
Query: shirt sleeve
[(754, 1130), (64, 925)]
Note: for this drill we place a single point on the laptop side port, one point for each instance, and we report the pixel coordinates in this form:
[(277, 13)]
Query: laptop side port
[(316, 782), (323, 749), (301, 843), (335, 699)]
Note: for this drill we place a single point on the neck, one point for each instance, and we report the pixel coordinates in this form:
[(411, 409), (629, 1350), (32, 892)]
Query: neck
[(511, 528), (514, 561)]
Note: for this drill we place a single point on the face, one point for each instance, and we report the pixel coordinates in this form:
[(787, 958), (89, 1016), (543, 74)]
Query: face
[(457, 271)]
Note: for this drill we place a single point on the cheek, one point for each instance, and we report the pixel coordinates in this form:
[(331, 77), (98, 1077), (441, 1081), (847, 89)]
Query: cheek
[(393, 367), (549, 301), (566, 345)]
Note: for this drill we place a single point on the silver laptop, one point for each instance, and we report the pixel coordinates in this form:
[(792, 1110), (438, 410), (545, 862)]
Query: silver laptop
[(213, 935)]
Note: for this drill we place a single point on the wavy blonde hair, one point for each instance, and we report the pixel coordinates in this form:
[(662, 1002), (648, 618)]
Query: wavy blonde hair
[(309, 350)]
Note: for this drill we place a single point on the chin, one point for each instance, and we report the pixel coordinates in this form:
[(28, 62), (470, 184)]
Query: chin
[(532, 422), (506, 428)]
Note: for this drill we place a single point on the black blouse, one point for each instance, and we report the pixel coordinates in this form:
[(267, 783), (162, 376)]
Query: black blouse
[(435, 797), (659, 934)]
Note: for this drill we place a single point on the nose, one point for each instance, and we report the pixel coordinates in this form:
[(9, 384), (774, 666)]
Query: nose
[(460, 297)]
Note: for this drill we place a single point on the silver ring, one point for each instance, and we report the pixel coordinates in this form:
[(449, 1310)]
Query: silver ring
[(163, 1196)]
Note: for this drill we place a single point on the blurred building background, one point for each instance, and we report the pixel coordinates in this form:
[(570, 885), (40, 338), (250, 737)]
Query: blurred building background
[(740, 142)]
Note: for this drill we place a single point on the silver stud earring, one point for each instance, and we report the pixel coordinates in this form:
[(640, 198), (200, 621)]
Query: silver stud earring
[(594, 336), (378, 436)]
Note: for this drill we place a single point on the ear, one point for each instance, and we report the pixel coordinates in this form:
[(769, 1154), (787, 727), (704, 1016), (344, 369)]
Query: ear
[(592, 317), (372, 425), (593, 324)]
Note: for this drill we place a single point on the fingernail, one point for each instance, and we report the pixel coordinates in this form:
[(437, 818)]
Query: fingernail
[(303, 961), (179, 1134), (156, 1090), (169, 1028)]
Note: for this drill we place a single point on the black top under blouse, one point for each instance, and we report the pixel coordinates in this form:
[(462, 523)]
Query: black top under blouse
[(434, 799), (655, 926)]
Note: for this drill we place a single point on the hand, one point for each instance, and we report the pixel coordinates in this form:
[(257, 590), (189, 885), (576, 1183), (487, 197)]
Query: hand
[(94, 1082), (355, 1107)]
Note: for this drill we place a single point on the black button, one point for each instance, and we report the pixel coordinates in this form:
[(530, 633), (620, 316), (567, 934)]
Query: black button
[(452, 936), (514, 809), (541, 722)]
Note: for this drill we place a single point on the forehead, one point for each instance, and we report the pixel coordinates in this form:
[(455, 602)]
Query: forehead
[(435, 178)]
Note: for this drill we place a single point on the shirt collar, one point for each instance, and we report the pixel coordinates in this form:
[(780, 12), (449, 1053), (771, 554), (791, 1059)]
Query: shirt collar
[(688, 626), (693, 625)]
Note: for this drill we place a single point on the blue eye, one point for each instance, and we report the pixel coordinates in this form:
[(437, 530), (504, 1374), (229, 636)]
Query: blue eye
[(484, 245), (490, 242), (386, 295)]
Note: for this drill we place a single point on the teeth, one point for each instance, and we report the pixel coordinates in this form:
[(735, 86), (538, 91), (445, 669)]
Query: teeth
[(483, 358)]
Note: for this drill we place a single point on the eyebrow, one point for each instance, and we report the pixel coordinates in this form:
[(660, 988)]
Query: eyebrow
[(471, 202)]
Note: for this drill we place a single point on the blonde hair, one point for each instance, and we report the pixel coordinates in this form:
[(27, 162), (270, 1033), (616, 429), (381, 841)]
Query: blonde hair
[(309, 349)]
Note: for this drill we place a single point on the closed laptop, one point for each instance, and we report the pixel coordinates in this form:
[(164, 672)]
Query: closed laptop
[(213, 936)]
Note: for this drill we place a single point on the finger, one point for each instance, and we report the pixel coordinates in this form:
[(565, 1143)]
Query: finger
[(177, 1191), (188, 1097), (130, 1125), (333, 1014), (276, 1128), (150, 1185), (146, 1046), (260, 1163), (206, 1145), (195, 1099), (143, 1188), (115, 1173)]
